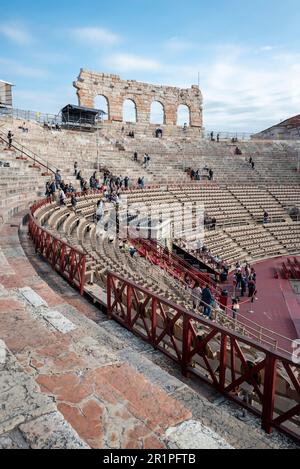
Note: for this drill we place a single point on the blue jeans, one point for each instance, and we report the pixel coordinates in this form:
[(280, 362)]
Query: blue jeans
[(207, 311)]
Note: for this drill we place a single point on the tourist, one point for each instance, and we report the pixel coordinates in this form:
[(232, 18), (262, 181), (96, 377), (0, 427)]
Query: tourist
[(52, 187), (253, 165), (235, 307), (10, 138), (71, 188), (126, 182), (207, 300), (119, 182), (99, 210), (93, 181), (135, 156), (243, 285), (187, 281), (75, 168), (73, 202), (63, 186), (24, 128), (266, 217), (238, 277), (211, 175), (197, 295), (62, 197), (85, 186), (212, 137), (253, 274), (57, 179), (132, 251), (251, 289), (218, 137), (48, 191)]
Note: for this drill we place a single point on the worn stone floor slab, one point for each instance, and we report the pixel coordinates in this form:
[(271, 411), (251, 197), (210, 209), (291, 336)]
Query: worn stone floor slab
[(151, 371), (193, 435), (32, 297), (51, 431), (20, 397), (13, 440), (57, 320)]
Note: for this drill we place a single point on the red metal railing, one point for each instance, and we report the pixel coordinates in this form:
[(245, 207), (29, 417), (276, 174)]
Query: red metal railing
[(256, 377), (69, 261), (173, 264)]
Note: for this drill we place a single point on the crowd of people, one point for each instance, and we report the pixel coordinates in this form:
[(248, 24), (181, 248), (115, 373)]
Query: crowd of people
[(198, 175), (244, 284), (52, 126)]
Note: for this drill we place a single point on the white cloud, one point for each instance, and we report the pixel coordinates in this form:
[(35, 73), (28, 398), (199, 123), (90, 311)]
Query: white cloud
[(15, 68), (177, 45), (242, 91), (16, 33), (44, 101), (267, 48), (132, 63), (96, 36)]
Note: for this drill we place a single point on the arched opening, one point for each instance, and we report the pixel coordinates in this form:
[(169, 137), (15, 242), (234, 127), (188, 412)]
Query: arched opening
[(157, 113), (183, 115), (129, 111), (101, 102)]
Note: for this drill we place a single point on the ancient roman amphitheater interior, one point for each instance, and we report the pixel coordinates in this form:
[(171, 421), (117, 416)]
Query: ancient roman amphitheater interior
[(104, 342)]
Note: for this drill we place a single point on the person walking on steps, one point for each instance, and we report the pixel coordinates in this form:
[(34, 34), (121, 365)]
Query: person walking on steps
[(9, 138)]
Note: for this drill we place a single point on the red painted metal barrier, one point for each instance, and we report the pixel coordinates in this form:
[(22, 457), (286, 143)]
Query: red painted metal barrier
[(174, 265), (256, 377), (64, 258)]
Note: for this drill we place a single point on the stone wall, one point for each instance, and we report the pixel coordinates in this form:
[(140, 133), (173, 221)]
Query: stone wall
[(92, 84)]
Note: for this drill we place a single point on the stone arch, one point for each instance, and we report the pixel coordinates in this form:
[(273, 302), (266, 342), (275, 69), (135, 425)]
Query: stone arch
[(183, 115), (129, 110), (101, 102), (157, 113)]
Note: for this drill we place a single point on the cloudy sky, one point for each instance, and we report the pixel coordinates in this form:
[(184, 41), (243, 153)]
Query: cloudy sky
[(246, 52)]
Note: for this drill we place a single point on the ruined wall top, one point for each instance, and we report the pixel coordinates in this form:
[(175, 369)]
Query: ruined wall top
[(89, 85)]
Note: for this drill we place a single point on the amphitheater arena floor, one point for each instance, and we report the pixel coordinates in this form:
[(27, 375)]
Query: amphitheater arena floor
[(277, 306), (69, 378)]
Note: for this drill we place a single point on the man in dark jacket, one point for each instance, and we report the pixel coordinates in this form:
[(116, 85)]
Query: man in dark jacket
[(207, 300)]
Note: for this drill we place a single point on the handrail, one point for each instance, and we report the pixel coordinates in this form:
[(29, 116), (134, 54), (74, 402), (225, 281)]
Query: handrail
[(65, 258), (23, 150), (228, 368)]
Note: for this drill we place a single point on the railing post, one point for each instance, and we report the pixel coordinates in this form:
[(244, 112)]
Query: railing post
[(129, 305), (153, 321), (82, 277), (223, 358), (186, 345), (109, 310), (269, 393)]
